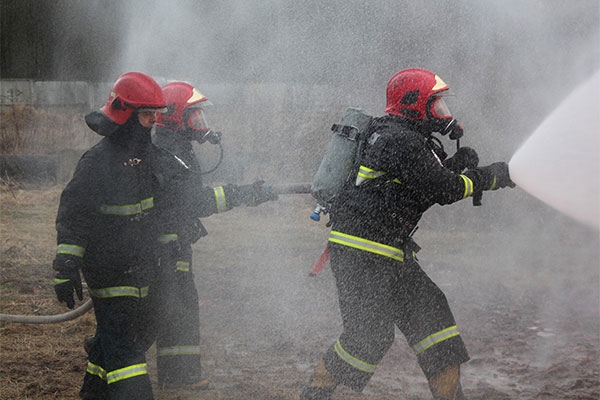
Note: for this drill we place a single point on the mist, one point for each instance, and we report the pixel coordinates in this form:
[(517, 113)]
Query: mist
[(279, 73)]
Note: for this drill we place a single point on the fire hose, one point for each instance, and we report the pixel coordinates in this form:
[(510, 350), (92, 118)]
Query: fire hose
[(48, 319)]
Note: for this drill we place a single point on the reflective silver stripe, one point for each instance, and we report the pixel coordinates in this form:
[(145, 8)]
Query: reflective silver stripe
[(178, 351), (353, 361), (368, 173), (71, 249), (96, 370), (127, 209), (126, 373), (120, 291), (168, 238), (366, 245), (436, 338), (220, 199), (182, 266), (468, 186)]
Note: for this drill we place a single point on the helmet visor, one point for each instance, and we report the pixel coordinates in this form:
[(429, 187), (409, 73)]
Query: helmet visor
[(197, 120), (439, 108)]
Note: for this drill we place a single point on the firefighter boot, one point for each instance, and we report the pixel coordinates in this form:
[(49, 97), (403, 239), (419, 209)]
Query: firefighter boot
[(320, 386), (446, 384)]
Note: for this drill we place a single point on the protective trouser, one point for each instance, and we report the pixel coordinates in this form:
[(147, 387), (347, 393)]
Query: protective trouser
[(117, 367), (178, 341), (378, 292)]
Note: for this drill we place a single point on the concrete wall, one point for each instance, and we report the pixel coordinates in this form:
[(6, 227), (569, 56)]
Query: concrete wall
[(274, 131), (90, 95), (78, 95)]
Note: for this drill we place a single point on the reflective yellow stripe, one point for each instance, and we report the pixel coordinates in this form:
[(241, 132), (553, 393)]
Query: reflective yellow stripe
[(368, 173), (493, 184), (127, 209), (96, 370), (436, 338), (220, 199), (365, 173), (182, 266), (120, 291), (366, 245), (178, 351), (126, 373), (58, 280), (353, 361), (71, 249), (168, 238), (468, 186)]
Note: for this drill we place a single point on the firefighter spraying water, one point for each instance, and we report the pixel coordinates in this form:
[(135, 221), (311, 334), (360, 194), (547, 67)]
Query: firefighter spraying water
[(392, 169)]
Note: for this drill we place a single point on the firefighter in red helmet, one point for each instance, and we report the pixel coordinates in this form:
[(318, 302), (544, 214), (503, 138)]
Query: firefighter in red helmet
[(178, 342), (403, 172), (107, 228)]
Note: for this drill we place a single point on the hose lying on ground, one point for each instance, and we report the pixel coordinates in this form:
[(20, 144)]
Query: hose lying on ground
[(48, 319)]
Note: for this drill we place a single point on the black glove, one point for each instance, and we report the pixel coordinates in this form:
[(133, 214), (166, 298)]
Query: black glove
[(67, 278), (492, 177), (253, 194), (464, 158)]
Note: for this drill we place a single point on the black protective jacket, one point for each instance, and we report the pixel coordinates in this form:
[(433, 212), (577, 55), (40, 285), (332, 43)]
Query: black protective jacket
[(387, 208), (110, 209), (189, 199)]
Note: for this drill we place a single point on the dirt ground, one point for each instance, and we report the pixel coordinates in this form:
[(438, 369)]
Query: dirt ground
[(525, 293)]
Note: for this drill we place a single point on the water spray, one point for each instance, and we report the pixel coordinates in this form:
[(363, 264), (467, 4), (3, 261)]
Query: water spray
[(559, 163)]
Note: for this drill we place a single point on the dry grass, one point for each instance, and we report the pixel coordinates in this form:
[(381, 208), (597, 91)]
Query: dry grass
[(38, 361), (27, 130)]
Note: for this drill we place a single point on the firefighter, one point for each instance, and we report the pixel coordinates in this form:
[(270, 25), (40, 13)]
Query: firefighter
[(403, 172), (107, 228), (178, 342)]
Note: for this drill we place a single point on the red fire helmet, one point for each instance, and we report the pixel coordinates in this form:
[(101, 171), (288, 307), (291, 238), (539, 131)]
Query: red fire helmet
[(414, 93), (185, 106), (132, 91)]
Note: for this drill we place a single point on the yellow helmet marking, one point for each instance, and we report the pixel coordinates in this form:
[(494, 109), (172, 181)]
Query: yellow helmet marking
[(196, 95), (439, 83)]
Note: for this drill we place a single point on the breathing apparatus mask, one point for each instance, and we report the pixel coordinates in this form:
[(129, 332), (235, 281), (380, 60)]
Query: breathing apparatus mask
[(439, 119), (195, 127)]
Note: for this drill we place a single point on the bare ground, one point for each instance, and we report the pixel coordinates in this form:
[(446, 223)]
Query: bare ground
[(525, 295)]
